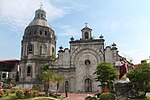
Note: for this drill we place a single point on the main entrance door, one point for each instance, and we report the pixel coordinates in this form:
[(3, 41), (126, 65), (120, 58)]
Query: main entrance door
[(88, 85)]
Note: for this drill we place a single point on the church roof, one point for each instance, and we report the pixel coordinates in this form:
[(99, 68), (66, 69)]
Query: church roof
[(9, 60), (41, 22), (86, 28), (40, 18)]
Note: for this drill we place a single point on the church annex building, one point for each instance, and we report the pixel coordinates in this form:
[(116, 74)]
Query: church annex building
[(76, 63)]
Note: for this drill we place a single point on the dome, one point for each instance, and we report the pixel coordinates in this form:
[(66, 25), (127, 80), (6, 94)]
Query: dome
[(40, 22), (40, 19)]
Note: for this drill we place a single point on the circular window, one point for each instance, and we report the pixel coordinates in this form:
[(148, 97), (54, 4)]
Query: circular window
[(87, 62)]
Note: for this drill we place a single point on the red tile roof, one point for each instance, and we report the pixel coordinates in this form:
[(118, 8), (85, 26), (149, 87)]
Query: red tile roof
[(9, 60)]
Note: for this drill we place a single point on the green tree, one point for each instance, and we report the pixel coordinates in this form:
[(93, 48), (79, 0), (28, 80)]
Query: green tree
[(42, 68), (140, 78), (58, 80), (48, 76), (106, 74)]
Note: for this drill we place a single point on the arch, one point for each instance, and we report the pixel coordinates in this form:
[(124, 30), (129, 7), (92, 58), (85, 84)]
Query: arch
[(46, 33), (35, 31), (30, 49), (29, 70), (40, 32), (43, 49), (53, 50), (80, 52), (86, 34), (88, 85), (30, 32)]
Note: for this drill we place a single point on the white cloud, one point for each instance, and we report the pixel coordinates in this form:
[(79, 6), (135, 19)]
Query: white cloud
[(17, 14), (134, 42), (135, 54), (68, 30)]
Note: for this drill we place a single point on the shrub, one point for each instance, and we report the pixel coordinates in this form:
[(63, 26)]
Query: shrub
[(27, 92), (6, 91), (15, 89), (107, 96), (36, 87), (34, 93), (1, 93), (20, 94)]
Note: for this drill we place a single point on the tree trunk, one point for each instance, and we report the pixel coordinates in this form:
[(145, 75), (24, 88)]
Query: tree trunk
[(46, 87), (145, 93), (57, 87)]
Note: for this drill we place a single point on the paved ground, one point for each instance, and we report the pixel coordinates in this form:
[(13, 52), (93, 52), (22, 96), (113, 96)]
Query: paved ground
[(148, 94), (77, 96), (81, 96)]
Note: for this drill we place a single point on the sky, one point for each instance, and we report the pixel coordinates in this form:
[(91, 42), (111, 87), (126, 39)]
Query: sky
[(124, 22)]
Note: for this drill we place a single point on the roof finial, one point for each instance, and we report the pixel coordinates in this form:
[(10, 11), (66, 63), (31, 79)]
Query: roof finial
[(86, 24), (41, 6)]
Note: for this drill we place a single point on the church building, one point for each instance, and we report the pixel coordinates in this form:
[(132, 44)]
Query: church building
[(76, 63)]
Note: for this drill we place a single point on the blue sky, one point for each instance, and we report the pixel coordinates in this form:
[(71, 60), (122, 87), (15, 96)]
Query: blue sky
[(124, 22)]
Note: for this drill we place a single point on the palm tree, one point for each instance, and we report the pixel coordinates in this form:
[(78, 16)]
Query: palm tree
[(58, 80), (48, 76)]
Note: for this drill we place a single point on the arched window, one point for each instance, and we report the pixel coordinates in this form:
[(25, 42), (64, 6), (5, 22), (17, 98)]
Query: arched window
[(30, 49), (30, 32), (67, 86), (29, 70), (40, 32), (35, 32), (53, 50), (45, 33), (43, 49), (86, 35), (41, 15)]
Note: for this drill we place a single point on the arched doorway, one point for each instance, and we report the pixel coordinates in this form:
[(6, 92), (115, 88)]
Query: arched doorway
[(88, 85)]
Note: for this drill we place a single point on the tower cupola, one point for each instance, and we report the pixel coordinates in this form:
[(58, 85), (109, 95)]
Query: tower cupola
[(40, 18), (86, 33), (40, 14)]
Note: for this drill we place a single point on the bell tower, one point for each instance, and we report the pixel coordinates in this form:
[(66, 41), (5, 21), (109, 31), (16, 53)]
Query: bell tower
[(86, 33), (38, 46)]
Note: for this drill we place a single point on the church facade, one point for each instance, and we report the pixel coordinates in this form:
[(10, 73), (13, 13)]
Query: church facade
[(76, 63)]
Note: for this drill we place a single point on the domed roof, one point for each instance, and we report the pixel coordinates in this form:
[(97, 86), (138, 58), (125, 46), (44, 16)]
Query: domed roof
[(41, 22), (40, 18)]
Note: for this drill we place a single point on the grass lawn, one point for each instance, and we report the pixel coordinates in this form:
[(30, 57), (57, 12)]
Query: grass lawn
[(147, 98), (12, 96)]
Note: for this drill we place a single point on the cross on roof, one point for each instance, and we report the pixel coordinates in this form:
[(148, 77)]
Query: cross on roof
[(86, 24), (41, 5)]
